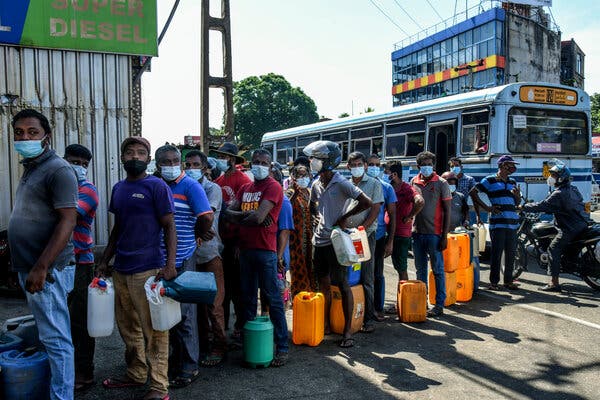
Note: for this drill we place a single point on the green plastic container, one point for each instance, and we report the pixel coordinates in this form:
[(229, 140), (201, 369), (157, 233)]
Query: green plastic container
[(258, 342)]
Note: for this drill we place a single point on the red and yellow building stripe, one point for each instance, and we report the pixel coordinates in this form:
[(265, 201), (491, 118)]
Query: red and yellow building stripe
[(450, 73)]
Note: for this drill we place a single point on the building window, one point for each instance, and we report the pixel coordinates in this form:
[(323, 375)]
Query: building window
[(579, 64)]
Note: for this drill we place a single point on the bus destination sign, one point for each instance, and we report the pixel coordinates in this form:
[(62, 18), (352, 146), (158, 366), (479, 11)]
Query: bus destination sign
[(546, 95)]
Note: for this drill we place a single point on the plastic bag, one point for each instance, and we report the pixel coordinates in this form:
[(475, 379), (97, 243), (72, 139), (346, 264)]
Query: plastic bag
[(153, 291)]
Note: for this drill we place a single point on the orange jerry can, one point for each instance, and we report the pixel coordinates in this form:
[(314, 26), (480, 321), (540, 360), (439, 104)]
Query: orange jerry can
[(465, 283), (450, 288), (451, 253), (412, 301), (464, 249), (336, 314), (308, 326)]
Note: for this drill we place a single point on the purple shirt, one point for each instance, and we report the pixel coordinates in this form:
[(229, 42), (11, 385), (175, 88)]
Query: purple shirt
[(138, 207)]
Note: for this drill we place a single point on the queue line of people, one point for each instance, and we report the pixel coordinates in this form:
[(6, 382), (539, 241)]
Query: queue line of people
[(206, 214)]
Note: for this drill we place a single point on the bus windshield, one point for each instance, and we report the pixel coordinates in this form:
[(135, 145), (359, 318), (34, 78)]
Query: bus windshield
[(541, 131)]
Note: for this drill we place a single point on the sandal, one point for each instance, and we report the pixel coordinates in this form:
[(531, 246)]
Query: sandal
[(367, 329), (511, 286), (81, 386), (184, 379), (156, 397), (119, 383), (213, 359), (346, 343), (280, 359), (493, 286)]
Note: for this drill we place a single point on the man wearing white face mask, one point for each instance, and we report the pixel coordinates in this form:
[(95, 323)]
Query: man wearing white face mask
[(193, 219), (371, 187), (431, 227), (459, 210), (79, 157), (256, 211)]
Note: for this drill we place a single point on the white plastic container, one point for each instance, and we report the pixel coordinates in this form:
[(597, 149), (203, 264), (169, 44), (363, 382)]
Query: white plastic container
[(345, 251), (361, 243), (481, 236), (165, 312), (101, 308)]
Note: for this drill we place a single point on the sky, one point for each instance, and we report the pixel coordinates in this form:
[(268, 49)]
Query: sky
[(337, 51)]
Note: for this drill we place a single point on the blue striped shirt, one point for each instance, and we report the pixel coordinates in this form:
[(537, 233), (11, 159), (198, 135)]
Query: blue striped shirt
[(499, 193), (190, 201)]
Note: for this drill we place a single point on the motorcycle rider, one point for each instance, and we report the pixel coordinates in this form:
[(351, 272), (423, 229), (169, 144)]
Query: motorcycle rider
[(566, 203)]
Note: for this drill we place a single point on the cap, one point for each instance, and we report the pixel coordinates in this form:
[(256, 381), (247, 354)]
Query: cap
[(135, 139), (230, 149), (506, 159)]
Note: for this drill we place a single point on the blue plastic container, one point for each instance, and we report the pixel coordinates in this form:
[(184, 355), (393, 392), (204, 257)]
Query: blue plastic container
[(8, 341), (25, 375), (192, 287), (258, 342), (354, 274)]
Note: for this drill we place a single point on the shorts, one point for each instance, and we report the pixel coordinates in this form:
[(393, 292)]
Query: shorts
[(326, 264)]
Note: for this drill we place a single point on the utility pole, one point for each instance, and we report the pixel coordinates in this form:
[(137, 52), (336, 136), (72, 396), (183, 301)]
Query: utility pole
[(207, 81)]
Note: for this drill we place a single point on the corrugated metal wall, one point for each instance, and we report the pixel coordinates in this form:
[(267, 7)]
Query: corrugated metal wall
[(86, 97)]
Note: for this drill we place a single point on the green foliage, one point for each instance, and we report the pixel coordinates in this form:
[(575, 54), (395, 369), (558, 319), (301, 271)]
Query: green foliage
[(343, 115), (595, 100), (268, 103), (368, 110)]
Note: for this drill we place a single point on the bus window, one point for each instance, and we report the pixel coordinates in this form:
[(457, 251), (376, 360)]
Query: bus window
[(415, 143), (341, 138), (395, 146), (547, 131), (364, 146), (377, 147), (269, 147), (305, 141), (475, 132), (285, 151)]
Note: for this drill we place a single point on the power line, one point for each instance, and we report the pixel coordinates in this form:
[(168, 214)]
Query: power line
[(409, 16), (389, 18), (434, 10)]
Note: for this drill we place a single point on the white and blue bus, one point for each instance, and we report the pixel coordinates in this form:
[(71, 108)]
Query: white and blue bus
[(533, 122)]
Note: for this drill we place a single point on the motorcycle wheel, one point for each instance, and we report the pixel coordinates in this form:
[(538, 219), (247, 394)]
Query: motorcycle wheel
[(588, 259), (520, 263), (594, 283)]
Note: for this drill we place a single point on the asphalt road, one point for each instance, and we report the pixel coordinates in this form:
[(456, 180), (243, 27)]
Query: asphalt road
[(525, 344)]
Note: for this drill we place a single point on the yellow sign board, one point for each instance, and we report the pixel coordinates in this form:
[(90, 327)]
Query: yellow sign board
[(547, 95)]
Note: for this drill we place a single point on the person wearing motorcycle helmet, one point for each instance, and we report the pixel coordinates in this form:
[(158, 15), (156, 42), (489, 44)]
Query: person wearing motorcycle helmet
[(327, 203), (566, 203)]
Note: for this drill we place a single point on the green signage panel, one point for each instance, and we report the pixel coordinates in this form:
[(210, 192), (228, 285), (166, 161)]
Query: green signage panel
[(107, 26)]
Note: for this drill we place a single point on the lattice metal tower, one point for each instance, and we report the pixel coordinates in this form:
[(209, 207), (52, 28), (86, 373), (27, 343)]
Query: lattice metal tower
[(207, 81)]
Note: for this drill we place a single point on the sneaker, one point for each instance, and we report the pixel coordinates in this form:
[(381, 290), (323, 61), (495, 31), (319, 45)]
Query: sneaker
[(436, 311), (551, 288)]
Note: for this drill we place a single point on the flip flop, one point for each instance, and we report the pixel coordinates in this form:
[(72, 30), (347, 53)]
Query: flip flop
[(367, 329), (280, 359), (213, 359), (184, 379), (346, 343), (118, 383), (83, 385)]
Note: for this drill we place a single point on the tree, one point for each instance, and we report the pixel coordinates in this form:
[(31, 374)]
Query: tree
[(268, 103), (595, 100)]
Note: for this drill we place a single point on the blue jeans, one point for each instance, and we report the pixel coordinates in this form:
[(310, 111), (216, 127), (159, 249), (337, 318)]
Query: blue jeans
[(51, 313), (379, 278), (259, 269), (425, 247)]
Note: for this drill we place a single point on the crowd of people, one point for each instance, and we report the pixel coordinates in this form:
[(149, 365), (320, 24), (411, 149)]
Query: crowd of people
[(251, 229)]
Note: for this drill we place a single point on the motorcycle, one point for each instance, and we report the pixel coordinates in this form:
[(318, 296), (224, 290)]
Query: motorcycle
[(580, 258), (8, 279)]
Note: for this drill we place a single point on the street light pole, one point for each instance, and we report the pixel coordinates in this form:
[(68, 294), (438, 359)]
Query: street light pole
[(470, 68)]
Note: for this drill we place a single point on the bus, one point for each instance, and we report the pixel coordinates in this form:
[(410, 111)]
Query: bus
[(533, 122)]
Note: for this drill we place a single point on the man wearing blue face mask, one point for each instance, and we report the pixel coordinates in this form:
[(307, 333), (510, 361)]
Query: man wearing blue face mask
[(371, 187), (465, 182), (39, 236), (431, 227), (256, 211), (79, 157), (193, 219)]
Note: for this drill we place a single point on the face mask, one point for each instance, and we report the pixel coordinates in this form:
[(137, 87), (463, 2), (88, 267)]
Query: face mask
[(551, 181), (303, 182), (316, 165), (222, 165), (80, 171), (260, 172), (373, 171), (426, 170), (170, 173), (386, 178), (135, 167), (456, 170), (357, 172), (452, 188), (195, 174), (29, 148)]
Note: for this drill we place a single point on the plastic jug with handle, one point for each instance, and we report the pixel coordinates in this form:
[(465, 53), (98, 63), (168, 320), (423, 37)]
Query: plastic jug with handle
[(100, 308), (361, 243), (343, 246), (165, 312), (191, 287)]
